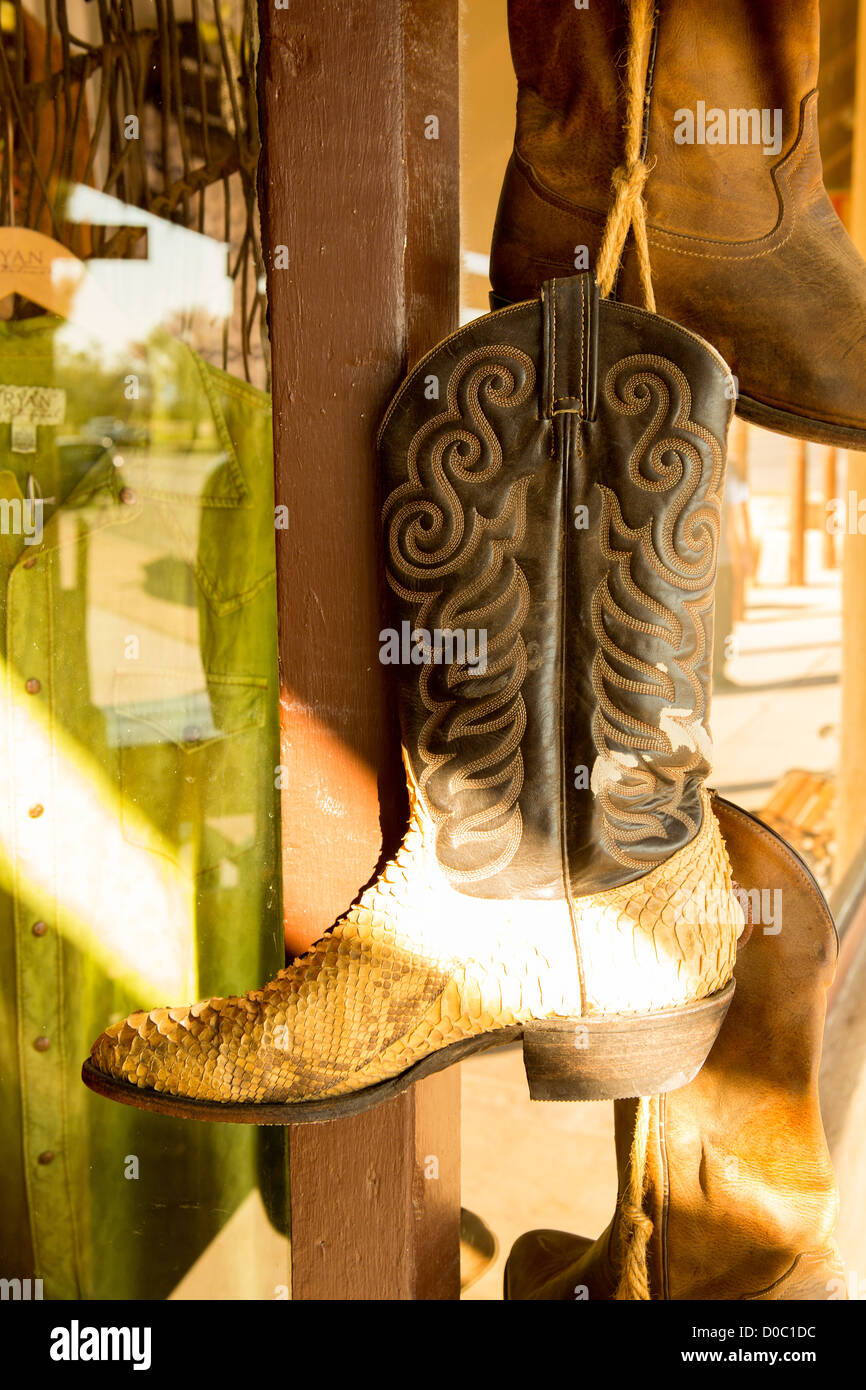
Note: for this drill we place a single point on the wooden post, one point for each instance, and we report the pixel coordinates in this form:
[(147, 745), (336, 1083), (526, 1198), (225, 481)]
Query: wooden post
[(797, 519), (851, 824), (828, 541), (739, 538), (359, 195)]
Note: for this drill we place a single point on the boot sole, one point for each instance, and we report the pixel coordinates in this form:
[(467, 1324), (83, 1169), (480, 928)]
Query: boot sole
[(800, 426), (302, 1112), (566, 1059), (621, 1055)]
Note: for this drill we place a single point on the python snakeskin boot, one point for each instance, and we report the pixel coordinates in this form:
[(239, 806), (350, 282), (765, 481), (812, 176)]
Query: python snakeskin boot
[(553, 476)]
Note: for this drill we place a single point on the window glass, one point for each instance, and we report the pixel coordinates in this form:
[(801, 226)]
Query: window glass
[(139, 860)]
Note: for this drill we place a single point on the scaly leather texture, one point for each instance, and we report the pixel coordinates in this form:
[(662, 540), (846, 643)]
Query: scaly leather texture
[(740, 1187), (745, 247), (521, 891), (415, 966)]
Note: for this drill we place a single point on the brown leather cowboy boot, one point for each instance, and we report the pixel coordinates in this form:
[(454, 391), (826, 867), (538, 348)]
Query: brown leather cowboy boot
[(745, 246), (740, 1199), (553, 476)]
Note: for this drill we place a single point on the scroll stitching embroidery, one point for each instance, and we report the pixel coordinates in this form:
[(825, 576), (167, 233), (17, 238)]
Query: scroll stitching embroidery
[(639, 764), (452, 562)]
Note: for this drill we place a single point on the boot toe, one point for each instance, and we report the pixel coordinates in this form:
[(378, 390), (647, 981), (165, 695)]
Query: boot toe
[(178, 1051), (538, 1261)]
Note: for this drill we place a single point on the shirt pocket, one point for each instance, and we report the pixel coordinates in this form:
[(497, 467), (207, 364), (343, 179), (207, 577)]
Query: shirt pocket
[(194, 757)]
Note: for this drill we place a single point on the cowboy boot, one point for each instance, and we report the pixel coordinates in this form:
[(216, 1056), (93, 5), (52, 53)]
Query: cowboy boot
[(745, 246), (553, 476), (478, 1248), (739, 1198)]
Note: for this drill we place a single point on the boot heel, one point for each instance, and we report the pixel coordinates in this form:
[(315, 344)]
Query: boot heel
[(620, 1055)]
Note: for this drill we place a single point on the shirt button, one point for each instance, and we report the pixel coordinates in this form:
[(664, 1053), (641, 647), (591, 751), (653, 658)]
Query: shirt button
[(46, 1157), (127, 495), (35, 811), (33, 686), (39, 928), (42, 1044)]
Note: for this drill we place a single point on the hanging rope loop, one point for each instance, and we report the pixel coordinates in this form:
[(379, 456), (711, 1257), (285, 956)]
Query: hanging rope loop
[(636, 1226), (628, 209), (628, 213), (628, 183)]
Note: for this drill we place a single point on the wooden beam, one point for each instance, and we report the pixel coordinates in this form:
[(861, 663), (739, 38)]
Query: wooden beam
[(359, 196), (797, 518), (851, 826), (843, 1083), (830, 490), (376, 1201)]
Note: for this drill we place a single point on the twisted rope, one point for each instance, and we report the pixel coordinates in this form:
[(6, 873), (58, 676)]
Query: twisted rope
[(635, 1226), (628, 213), (628, 210)]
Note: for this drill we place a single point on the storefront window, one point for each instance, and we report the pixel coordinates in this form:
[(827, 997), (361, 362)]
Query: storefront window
[(158, 705), (139, 847)]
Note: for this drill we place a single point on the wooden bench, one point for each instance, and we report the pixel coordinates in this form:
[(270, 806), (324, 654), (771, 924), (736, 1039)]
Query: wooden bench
[(802, 809)]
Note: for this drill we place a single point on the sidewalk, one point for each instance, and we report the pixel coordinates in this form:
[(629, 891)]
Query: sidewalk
[(788, 661)]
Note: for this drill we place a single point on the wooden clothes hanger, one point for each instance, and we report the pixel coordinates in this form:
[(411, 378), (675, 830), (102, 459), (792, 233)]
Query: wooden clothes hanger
[(39, 269), (48, 274)]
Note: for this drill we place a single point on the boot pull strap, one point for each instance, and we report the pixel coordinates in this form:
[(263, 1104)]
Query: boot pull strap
[(628, 209), (570, 371)]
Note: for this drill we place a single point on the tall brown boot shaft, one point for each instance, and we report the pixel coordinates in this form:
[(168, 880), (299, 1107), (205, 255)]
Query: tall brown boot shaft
[(571, 107), (744, 244)]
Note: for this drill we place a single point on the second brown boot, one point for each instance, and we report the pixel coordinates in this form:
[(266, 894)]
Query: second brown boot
[(739, 1198), (744, 243)]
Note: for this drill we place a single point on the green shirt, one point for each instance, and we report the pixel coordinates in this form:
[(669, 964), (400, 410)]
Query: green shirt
[(139, 861)]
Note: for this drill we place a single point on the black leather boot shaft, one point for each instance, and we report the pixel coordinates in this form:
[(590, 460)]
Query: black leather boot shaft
[(553, 476)]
